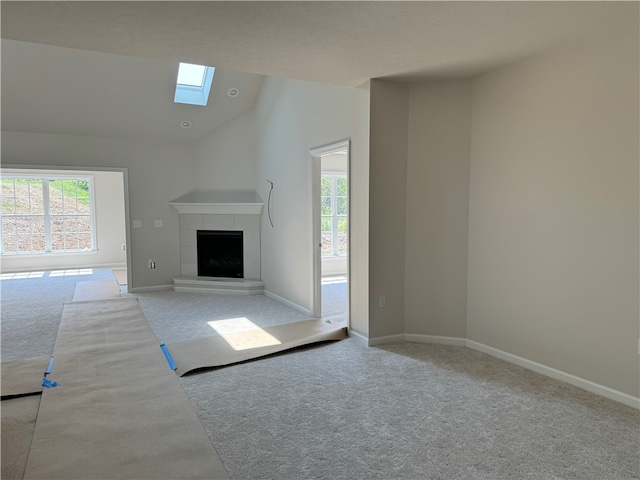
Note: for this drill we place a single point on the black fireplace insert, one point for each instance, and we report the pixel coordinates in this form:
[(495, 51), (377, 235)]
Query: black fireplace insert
[(220, 254)]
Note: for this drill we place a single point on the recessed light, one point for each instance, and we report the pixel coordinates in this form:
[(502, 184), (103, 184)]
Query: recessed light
[(233, 92), (185, 124)]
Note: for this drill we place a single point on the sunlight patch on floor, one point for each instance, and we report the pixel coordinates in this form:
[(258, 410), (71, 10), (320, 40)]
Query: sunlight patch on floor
[(71, 272), (19, 275), (242, 334)]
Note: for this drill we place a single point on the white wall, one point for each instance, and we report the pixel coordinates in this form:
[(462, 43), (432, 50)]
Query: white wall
[(108, 193), (359, 210), (387, 206), (157, 174), (225, 159), (438, 208), (554, 212), (291, 118)]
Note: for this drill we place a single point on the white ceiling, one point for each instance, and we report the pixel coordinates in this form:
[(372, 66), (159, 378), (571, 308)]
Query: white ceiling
[(343, 43), (48, 89)]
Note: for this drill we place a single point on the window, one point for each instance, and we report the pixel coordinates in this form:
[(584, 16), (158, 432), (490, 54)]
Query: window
[(47, 215), (193, 84), (334, 214)]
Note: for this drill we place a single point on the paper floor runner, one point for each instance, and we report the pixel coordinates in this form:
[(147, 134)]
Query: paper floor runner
[(119, 412)]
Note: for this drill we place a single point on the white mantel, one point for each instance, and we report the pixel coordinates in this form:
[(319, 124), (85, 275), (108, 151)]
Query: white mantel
[(219, 203), (218, 208)]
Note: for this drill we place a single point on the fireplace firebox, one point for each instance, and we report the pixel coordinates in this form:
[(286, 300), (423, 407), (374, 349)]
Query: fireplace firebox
[(220, 253)]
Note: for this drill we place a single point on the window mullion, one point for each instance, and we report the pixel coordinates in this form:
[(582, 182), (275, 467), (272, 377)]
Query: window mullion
[(48, 242)]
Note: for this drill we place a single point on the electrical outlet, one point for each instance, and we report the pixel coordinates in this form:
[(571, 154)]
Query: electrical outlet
[(157, 223), (151, 264), (137, 224), (382, 302)]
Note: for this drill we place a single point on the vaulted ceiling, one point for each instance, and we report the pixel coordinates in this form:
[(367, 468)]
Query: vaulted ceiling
[(109, 68)]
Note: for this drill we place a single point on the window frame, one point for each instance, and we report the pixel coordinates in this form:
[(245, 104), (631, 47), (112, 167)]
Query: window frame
[(47, 216), (335, 217)]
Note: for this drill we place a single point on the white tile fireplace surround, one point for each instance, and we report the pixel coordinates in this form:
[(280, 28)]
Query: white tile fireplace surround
[(249, 225), (242, 217)]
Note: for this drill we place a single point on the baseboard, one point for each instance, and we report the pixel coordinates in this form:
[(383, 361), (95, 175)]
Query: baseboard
[(359, 336), (154, 288), (413, 337), (288, 303), (558, 374), (373, 342), (456, 341), (112, 266)]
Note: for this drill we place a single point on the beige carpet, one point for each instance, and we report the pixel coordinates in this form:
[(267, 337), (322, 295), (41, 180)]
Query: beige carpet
[(96, 290), (121, 276), (239, 340), (118, 412)]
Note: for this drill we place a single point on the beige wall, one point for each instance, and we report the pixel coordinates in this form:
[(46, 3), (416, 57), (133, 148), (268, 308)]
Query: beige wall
[(157, 174), (553, 230), (438, 208), (108, 191), (388, 180), (359, 210)]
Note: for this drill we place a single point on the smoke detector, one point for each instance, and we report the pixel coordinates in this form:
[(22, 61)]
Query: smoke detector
[(185, 124), (233, 92)]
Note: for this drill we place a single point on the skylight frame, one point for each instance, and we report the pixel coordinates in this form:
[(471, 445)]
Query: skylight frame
[(195, 95)]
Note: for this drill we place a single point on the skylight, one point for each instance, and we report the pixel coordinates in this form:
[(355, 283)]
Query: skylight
[(190, 74), (193, 84)]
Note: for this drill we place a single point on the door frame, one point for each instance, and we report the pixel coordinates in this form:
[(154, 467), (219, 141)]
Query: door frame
[(316, 154)]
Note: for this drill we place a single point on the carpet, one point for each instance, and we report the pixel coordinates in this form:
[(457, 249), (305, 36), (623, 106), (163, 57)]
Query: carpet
[(240, 340), (96, 290), (22, 377), (121, 276), (118, 411)]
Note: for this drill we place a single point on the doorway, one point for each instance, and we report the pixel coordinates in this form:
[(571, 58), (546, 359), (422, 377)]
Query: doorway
[(330, 205), (109, 206)]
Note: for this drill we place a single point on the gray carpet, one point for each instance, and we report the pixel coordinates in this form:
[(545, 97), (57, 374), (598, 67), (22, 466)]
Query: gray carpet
[(344, 410)]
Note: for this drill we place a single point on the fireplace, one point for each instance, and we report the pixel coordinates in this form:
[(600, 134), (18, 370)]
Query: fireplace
[(220, 253)]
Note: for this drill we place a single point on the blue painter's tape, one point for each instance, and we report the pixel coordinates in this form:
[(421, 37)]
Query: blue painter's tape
[(49, 367), (49, 383), (167, 355)]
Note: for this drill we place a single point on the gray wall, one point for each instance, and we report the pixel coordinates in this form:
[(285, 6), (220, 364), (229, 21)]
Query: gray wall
[(553, 230), (438, 208), (387, 206)]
